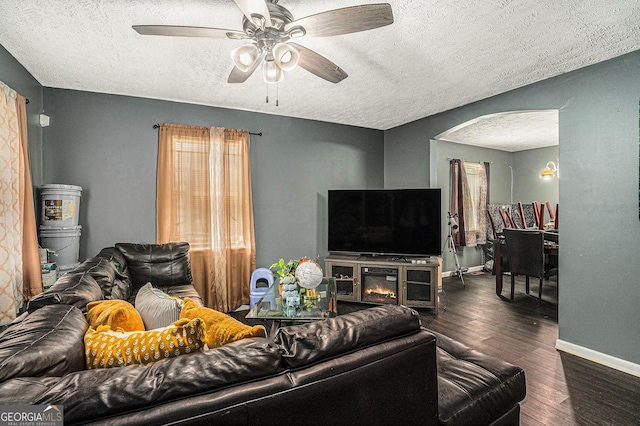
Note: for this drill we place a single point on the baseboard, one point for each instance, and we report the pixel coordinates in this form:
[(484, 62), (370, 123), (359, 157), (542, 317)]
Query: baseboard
[(595, 356), (470, 269)]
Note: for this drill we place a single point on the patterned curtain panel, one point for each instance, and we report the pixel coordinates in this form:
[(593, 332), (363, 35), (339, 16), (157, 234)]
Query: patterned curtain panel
[(19, 265), (457, 201), (204, 198)]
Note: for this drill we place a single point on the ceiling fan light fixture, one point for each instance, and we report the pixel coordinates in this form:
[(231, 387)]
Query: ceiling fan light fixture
[(285, 56), (272, 73), (245, 56)]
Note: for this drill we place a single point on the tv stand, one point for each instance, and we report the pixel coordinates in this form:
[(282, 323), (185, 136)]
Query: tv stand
[(400, 259), (386, 280)]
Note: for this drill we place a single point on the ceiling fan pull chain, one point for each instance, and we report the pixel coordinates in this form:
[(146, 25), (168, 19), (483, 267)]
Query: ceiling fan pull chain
[(277, 95), (267, 93)]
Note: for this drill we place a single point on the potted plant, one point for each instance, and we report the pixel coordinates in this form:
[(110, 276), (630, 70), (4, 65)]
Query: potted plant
[(286, 272)]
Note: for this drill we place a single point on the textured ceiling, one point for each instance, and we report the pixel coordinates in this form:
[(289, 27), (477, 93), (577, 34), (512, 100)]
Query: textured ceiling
[(437, 55), (508, 131)]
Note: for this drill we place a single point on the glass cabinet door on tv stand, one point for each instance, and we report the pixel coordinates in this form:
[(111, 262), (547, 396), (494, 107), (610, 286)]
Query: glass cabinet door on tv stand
[(419, 286), (347, 279)]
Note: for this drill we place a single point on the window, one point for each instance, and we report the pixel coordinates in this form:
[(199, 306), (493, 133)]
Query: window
[(196, 203), (204, 198), (191, 190), (474, 183), (469, 195), (234, 195)]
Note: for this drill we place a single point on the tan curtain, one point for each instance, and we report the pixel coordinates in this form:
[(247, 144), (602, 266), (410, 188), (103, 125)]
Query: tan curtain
[(31, 271), (19, 262), (204, 198)]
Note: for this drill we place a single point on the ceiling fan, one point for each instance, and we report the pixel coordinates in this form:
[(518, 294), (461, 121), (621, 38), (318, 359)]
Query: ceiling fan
[(269, 27)]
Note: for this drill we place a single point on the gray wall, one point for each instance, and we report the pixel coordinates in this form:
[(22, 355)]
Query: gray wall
[(107, 145), (598, 106), (406, 158), (527, 185), (598, 191), (13, 74)]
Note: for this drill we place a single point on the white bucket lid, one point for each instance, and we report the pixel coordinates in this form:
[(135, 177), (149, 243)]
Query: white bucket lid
[(58, 186), (60, 231), (60, 228)]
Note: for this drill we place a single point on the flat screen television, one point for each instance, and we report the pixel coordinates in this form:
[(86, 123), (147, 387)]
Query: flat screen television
[(399, 222)]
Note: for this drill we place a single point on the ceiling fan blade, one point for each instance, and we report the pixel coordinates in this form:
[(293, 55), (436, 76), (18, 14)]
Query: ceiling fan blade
[(255, 7), (238, 76), (179, 31), (346, 20), (319, 65)]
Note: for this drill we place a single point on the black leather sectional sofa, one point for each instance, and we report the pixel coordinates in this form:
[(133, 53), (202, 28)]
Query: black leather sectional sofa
[(375, 366)]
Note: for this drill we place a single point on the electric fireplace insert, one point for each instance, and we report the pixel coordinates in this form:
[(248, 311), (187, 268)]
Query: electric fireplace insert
[(379, 285)]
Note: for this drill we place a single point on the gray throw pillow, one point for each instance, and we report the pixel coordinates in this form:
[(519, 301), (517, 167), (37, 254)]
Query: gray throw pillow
[(156, 307)]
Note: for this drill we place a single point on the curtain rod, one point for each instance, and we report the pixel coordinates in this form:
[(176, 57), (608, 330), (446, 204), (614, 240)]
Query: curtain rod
[(155, 126), (466, 161)]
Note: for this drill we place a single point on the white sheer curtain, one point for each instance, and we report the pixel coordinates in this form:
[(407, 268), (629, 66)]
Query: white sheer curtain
[(474, 185), (469, 197)]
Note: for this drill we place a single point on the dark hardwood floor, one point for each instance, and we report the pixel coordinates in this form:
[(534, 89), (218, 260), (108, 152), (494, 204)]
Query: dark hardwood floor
[(562, 389)]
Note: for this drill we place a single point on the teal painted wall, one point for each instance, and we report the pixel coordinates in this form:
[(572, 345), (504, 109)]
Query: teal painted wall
[(107, 145), (598, 192), (14, 75), (406, 158), (527, 185)]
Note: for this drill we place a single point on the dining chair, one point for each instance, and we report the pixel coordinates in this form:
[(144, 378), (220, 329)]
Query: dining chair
[(529, 215), (525, 251), (494, 229), (510, 220), (536, 212), (521, 219), (548, 204), (541, 217), (505, 222)]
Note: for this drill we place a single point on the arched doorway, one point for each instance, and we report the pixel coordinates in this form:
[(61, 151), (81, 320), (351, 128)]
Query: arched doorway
[(517, 144)]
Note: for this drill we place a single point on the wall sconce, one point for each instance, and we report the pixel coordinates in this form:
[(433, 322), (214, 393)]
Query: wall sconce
[(550, 171)]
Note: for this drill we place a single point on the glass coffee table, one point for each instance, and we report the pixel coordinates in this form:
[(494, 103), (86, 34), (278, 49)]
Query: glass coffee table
[(314, 305)]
